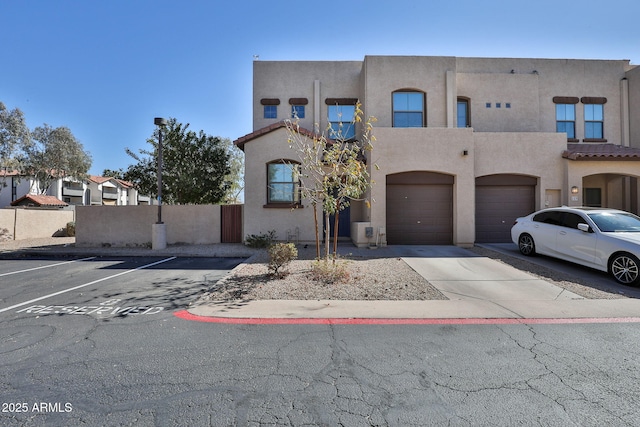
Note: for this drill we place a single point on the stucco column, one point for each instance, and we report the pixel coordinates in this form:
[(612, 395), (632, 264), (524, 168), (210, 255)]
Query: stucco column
[(159, 236), (451, 98), (624, 108), (316, 105), (574, 180)]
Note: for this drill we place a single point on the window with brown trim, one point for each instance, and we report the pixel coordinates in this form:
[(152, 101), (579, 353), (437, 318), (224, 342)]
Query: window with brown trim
[(566, 120), (283, 184), (594, 123), (298, 107), (341, 122), (566, 99), (270, 107)]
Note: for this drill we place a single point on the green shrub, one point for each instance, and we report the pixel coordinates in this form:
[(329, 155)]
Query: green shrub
[(330, 271), (281, 254), (71, 229), (263, 240)]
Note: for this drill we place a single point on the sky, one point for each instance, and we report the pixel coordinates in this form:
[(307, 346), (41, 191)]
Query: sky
[(106, 68)]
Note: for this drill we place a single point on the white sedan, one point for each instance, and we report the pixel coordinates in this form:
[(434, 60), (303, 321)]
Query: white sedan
[(604, 239)]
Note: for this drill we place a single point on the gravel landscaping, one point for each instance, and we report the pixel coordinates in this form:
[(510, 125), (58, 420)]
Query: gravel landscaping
[(369, 279)]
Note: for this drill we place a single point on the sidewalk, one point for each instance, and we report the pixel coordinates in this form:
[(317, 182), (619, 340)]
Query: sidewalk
[(477, 287)]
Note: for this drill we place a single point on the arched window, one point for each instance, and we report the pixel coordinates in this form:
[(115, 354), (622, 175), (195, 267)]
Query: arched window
[(408, 109), (283, 183)]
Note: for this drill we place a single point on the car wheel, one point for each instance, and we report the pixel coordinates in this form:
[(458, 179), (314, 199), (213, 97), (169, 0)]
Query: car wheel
[(526, 245), (625, 268)]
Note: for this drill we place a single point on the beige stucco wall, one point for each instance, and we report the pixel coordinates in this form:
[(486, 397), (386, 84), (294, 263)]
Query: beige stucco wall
[(295, 79), (426, 149), (534, 154), (123, 226), (258, 219), (386, 74), (519, 91), (34, 223), (554, 77), (7, 220), (633, 78)]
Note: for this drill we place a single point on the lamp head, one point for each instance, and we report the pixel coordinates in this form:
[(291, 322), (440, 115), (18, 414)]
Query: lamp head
[(160, 121)]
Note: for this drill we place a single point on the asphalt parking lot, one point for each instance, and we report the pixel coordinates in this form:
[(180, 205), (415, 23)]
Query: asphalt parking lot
[(106, 287)]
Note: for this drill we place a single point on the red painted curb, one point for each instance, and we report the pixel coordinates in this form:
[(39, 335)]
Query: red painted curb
[(185, 315)]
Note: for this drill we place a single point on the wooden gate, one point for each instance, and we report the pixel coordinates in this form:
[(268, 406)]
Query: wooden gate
[(231, 223)]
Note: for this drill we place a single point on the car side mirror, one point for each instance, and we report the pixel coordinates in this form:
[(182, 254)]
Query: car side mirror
[(584, 227)]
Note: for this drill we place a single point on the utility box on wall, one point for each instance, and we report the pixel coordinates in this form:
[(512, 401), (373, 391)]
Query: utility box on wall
[(368, 232)]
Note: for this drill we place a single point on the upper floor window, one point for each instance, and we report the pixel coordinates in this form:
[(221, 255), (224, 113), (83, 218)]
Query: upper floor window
[(341, 121), (297, 107), (270, 111), (297, 111), (283, 185), (408, 109), (566, 119), (270, 107), (593, 121), (463, 113)]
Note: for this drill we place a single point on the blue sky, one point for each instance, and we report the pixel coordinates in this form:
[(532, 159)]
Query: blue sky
[(106, 68)]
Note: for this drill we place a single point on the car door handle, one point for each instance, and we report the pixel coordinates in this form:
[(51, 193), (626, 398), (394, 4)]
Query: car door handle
[(562, 232)]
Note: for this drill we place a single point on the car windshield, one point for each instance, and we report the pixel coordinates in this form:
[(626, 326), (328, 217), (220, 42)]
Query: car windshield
[(616, 222)]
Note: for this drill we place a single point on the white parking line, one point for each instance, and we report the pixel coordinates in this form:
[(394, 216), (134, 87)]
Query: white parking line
[(86, 284), (45, 266)]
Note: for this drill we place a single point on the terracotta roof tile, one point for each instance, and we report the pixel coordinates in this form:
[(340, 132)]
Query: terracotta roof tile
[(125, 183), (589, 151), (98, 179), (265, 130), (39, 200)]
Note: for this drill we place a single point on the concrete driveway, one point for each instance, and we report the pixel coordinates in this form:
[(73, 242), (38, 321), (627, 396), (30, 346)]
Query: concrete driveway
[(462, 275)]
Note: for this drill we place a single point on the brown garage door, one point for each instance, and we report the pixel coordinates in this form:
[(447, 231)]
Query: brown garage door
[(419, 209), (500, 199)]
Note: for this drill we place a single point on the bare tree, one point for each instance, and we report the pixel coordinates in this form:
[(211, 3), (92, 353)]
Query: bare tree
[(333, 171)]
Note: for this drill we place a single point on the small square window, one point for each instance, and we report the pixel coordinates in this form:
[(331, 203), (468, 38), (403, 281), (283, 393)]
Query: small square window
[(498, 105), (270, 111), (297, 111), (488, 105), (507, 105)]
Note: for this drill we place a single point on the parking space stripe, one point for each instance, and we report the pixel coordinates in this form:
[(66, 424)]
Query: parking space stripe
[(45, 266), (86, 284)]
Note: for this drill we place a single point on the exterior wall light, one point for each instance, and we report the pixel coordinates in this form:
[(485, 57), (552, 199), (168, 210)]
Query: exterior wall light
[(574, 190)]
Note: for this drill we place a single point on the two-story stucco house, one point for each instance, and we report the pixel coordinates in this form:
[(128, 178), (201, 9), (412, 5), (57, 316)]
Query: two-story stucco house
[(463, 145)]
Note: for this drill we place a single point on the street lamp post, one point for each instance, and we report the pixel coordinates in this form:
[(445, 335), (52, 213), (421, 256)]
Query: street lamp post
[(159, 235)]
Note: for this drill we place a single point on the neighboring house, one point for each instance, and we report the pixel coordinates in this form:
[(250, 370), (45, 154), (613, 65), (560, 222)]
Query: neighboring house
[(103, 190), (112, 191), (131, 196), (70, 191), (463, 145), (40, 201), (95, 190)]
